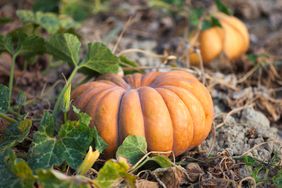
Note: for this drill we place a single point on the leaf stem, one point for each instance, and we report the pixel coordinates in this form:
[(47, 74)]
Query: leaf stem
[(11, 79), (11, 120), (61, 95)]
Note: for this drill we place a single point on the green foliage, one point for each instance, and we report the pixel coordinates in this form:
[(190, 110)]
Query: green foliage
[(277, 179), (162, 161), (15, 133), (77, 9), (49, 178), (125, 62), (195, 15), (65, 47), (18, 42), (14, 172), (46, 6), (261, 171), (4, 98), (100, 59), (99, 142), (113, 172), (211, 22), (222, 7), (133, 149), (70, 144), (51, 22)]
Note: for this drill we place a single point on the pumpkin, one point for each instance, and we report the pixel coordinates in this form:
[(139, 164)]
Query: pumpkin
[(172, 110), (232, 39)]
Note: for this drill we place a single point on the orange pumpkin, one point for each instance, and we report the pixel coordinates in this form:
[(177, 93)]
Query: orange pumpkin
[(232, 39), (172, 110)]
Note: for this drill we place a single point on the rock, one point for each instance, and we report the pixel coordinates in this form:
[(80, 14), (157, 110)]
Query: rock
[(255, 118)]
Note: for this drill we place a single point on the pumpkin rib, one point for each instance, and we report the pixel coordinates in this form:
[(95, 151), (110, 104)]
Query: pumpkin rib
[(215, 37), (181, 121), (80, 89), (242, 35), (156, 120), (129, 80), (148, 78), (196, 110), (116, 79), (94, 101), (83, 99), (131, 120), (232, 43), (137, 80), (120, 138), (199, 91), (237, 25), (106, 119)]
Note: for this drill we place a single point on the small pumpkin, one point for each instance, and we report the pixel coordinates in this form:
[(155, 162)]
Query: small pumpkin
[(232, 39), (172, 110)]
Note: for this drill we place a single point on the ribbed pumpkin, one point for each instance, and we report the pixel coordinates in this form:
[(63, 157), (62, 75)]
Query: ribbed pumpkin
[(172, 110), (232, 39)]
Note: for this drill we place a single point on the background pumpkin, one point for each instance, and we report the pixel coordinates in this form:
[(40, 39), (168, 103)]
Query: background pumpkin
[(232, 40), (173, 110)]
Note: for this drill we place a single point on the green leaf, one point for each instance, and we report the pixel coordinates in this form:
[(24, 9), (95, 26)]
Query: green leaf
[(51, 22), (249, 161), (26, 16), (77, 9), (6, 44), (195, 15), (4, 20), (209, 23), (21, 98), (48, 21), (125, 62), (133, 149), (49, 178), (206, 25), (100, 59), (15, 133), (32, 45), (277, 179), (15, 172), (65, 47), (19, 42), (163, 161), (222, 8), (69, 145), (4, 98), (113, 172), (215, 22), (46, 6), (99, 142)]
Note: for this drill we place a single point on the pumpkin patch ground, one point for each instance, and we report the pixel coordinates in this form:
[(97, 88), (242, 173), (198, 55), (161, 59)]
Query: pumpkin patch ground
[(140, 93)]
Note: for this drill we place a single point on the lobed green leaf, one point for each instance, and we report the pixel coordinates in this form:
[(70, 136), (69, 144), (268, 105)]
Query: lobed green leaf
[(65, 47), (133, 149), (15, 133)]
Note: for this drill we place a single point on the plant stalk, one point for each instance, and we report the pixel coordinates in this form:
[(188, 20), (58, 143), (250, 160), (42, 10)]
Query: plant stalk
[(11, 120), (61, 95), (11, 79)]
